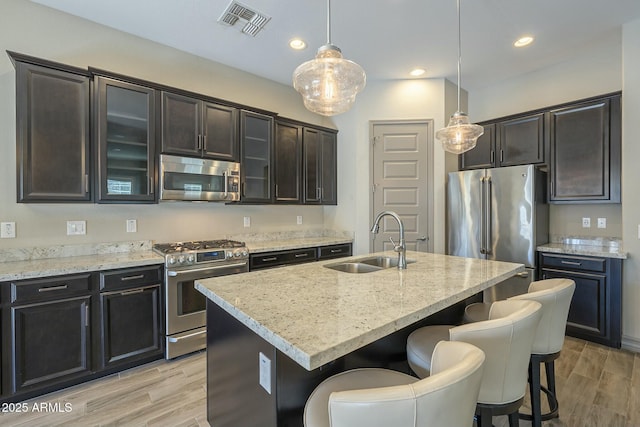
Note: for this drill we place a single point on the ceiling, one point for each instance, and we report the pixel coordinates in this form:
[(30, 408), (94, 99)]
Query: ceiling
[(386, 37)]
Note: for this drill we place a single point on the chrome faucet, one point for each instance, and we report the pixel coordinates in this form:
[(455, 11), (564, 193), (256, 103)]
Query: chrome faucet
[(401, 247)]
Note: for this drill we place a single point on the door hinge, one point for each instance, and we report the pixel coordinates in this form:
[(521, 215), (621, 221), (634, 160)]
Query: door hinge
[(374, 140)]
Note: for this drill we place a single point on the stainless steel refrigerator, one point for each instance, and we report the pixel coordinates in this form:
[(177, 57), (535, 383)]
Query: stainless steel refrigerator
[(499, 214)]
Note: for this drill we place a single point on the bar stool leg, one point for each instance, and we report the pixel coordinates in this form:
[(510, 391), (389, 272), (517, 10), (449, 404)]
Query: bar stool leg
[(534, 391)]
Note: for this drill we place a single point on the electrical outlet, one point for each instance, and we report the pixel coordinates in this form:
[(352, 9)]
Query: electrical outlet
[(265, 372), (586, 222), (247, 221), (132, 226), (299, 220), (8, 230), (75, 228), (602, 222)]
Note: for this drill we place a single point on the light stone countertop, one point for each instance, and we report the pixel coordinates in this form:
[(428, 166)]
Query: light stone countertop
[(315, 315), (600, 247), (34, 268)]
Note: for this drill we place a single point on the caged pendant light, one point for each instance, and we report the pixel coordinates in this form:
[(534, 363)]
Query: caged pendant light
[(459, 135), (329, 83)]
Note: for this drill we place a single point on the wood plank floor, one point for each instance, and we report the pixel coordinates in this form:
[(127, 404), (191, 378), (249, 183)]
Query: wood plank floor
[(597, 387)]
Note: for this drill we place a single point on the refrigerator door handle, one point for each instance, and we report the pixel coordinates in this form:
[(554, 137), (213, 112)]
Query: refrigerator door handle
[(487, 217)]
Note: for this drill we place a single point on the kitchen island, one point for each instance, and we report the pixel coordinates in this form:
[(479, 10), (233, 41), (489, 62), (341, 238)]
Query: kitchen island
[(273, 335)]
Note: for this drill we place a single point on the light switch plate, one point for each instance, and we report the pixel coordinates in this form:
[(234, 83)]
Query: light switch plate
[(132, 226), (7, 230), (247, 221), (586, 222), (76, 228), (602, 222), (299, 220)]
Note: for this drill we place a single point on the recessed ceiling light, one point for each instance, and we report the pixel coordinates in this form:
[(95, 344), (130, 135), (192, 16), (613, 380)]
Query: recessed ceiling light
[(297, 44), (417, 72), (523, 41)]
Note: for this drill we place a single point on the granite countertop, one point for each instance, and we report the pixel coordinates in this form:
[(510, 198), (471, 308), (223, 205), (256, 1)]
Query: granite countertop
[(315, 315), (29, 269), (601, 247)]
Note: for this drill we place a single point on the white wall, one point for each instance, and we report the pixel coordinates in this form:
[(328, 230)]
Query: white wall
[(387, 100), (630, 179), (42, 32)]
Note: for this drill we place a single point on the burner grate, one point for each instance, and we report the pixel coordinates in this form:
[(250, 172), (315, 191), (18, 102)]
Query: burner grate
[(168, 248)]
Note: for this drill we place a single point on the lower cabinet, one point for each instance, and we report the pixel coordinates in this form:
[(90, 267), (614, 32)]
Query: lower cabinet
[(50, 331), (130, 315), (63, 330), (272, 259), (595, 312)]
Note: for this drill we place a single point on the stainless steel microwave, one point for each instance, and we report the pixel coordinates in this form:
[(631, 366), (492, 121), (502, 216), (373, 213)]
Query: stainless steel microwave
[(196, 179)]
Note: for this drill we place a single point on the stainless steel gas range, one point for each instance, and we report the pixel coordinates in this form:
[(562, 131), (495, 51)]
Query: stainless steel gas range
[(185, 307)]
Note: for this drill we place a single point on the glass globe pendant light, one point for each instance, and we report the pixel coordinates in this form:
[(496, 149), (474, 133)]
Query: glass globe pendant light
[(329, 83), (459, 135)]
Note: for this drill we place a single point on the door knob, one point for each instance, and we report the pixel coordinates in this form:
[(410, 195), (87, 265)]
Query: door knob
[(422, 239)]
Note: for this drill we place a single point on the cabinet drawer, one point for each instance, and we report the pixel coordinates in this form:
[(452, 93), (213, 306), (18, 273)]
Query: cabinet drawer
[(578, 263), (50, 288), (274, 259), (130, 278), (334, 251)]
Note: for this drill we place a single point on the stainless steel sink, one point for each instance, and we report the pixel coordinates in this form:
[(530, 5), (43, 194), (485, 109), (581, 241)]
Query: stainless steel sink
[(366, 265), (354, 267)]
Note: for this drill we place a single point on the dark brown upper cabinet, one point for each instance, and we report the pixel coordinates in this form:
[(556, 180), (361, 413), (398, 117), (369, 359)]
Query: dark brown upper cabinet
[(53, 131), (288, 162), (125, 130), (194, 127), (320, 166), (256, 140), (520, 141), (585, 148), (483, 154)]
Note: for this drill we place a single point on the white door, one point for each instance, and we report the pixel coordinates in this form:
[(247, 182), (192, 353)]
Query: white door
[(401, 165)]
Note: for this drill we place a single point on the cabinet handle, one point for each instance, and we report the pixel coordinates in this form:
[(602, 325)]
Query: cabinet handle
[(86, 316), (501, 156), (134, 291), (336, 251), (277, 194), (552, 193), (86, 183), (318, 193), (199, 142), (301, 255), (151, 189), (570, 262), (273, 258), (204, 142), (53, 288), (137, 276), (492, 157)]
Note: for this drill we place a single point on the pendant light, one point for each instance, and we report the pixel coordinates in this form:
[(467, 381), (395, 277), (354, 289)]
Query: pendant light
[(329, 83), (459, 135)]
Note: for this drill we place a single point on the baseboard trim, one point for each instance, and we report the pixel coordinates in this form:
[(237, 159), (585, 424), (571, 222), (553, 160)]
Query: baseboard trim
[(631, 344)]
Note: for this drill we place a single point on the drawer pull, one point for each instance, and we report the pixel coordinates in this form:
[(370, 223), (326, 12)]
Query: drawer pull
[(273, 258), (570, 262), (134, 291), (138, 276), (301, 255), (53, 288), (336, 251)]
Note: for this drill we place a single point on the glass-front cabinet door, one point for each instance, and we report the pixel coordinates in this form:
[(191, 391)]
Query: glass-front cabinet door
[(126, 141)]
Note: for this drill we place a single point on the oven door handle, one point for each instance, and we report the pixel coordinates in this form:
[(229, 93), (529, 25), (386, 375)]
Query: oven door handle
[(174, 273), (195, 334)]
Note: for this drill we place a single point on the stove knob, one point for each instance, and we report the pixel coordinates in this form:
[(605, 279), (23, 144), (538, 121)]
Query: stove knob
[(190, 258), (181, 259), (245, 253), (237, 254), (229, 254), (171, 259)]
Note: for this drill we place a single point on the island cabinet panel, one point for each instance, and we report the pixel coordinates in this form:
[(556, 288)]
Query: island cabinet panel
[(483, 155), (53, 133), (126, 141), (585, 146), (334, 251), (288, 162), (595, 312), (195, 127), (130, 316)]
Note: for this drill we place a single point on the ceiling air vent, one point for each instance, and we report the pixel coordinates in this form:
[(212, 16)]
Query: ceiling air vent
[(253, 20)]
